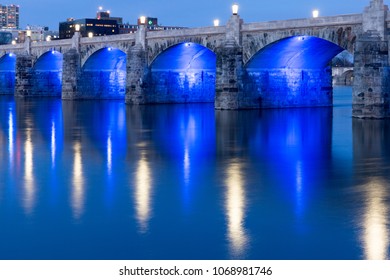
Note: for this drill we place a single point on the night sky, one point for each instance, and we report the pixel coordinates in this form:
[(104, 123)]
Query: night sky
[(193, 13)]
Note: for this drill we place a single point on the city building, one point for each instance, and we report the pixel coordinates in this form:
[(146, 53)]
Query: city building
[(88, 27), (9, 16)]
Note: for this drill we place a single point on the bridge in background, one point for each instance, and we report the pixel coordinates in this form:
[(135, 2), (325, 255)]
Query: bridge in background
[(273, 64)]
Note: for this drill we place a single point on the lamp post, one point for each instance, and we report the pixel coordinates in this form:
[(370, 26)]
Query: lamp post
[(77, 27), (235, 9), (142, 20), (315, 13), (216, 22), (90, 34), (28, 33)]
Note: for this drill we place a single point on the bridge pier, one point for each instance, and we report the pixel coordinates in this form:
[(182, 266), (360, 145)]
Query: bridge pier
[(136, 83), (371, 88), (24, 75), (71, 71)]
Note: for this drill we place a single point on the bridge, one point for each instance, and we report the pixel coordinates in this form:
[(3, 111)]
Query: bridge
[(275, 64)]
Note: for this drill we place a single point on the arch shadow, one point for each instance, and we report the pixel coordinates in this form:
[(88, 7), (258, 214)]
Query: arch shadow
[(292, 72), (7, 74), (47, 74), (103, 75), (183, 73)]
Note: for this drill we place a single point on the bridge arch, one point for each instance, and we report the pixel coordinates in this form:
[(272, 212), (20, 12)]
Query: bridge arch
[(103, 75), (7, 74), (183, 73), (47, 74), (292, 72)]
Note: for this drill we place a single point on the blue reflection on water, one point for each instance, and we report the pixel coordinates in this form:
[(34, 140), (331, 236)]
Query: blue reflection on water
[(103, 180)]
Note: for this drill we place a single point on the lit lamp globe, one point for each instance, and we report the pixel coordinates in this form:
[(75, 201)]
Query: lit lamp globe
[(90, 34), (216, 22), (142, 20), (77, 27), (48, 38), (235, 9), (13, 42), (28, 33), (316, 13)]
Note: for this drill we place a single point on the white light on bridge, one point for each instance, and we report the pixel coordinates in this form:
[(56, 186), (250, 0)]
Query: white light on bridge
[(28, 33), (77, 27), (216, 22), (316, 13), (90, 34), (142, 19), (100, 8), (48, 38), (13, 42), (235, 9)]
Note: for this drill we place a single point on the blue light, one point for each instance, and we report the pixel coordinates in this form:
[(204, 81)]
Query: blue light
[(298, 52)]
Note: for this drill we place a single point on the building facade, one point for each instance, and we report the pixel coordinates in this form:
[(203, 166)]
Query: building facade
[(9, 16), (88, 26)]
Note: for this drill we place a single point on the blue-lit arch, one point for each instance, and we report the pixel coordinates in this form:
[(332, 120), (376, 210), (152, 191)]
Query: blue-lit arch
[(47, 74), (7, 74), (297, 52), (183, 73), (292, 72), (104, 74)]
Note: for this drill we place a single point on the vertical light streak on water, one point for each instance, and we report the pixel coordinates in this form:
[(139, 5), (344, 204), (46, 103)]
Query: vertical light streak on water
[(143, 192), (298, 183), (235, 204), (77, 183), (187, 165), (375, 221), (109, 154), (29, 181), (53, 145), (11, 137)]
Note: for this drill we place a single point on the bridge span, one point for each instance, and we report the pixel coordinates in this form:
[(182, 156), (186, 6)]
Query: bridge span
[(274, 64)]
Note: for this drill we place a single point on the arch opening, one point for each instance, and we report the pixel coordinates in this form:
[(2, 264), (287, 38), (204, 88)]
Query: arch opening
[(47, 74), (7, 74), (292, 72), (184, 73), (104, 75)]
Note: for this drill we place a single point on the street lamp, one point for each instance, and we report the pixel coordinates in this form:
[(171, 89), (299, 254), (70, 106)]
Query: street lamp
[(77, 27), (28, 33), (13, 42), (235, 9), (142, 20), (90, 34), (216, 22), (316, 13), (48, 38)]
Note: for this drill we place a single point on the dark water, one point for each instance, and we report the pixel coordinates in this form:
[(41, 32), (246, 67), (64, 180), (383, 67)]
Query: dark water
[(104, 180)]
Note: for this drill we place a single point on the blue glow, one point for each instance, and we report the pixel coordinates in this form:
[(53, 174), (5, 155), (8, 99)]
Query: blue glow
[(185, 56), (184, 73), (47, 79), (298, 52), (7, 74), (49, 61), (104, 75), (106, 59)]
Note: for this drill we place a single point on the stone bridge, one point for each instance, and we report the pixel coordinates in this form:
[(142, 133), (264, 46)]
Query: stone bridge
[(241, 65)]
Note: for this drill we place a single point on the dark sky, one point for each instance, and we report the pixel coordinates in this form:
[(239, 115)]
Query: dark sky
[(180, 12)]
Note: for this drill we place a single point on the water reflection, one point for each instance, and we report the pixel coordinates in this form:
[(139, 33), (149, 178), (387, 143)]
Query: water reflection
[(77, 182), (143, 192), (235, 204), (29, 180), (375, 221), (372, 157)]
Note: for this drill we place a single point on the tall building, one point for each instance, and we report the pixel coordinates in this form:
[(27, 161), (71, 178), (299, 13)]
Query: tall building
[(9, 16)]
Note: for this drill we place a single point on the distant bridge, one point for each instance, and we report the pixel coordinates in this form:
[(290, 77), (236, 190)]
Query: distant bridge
[(272, 64)]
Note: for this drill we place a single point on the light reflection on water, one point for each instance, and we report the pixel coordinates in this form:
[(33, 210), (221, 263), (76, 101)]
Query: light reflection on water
[(104, 180)]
